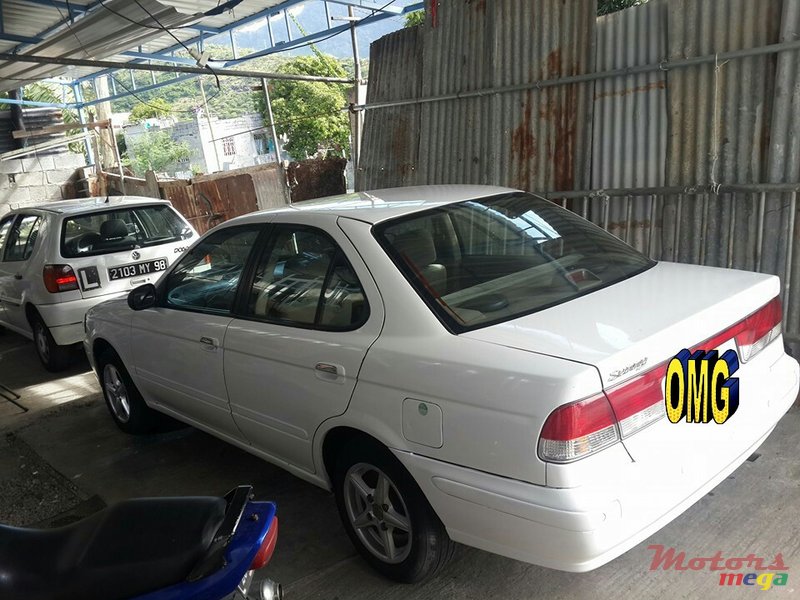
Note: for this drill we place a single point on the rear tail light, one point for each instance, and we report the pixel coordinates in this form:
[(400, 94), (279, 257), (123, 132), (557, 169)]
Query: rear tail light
[(59, 278), (639, 402), (264, 554), (759, 329), (576, 430)]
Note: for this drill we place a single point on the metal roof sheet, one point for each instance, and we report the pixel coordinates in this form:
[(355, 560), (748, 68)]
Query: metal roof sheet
[(100, 34)]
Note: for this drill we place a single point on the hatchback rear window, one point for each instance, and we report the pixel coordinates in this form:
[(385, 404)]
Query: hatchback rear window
[(493, 259), (121, 229)]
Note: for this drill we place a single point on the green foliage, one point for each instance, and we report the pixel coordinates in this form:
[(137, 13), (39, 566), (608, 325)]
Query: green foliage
[(605, 7), (156, 151), (310, 113), (157, 107), (415, 18)]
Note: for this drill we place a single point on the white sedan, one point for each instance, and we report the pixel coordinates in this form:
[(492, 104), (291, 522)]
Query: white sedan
[(458, 364)]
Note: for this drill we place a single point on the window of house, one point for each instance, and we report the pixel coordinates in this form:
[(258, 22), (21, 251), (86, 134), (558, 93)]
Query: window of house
[(228, 146)]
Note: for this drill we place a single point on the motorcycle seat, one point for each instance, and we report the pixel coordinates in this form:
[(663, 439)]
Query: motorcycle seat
[(123, 551)]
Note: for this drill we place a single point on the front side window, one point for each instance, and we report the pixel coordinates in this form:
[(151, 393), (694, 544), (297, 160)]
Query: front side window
[(107, 231), (490, 260), (22, 239), (304, 279), (207, 276)]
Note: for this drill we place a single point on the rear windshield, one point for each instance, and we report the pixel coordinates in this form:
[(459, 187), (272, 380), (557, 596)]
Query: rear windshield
[(108, 231), (490, 260)]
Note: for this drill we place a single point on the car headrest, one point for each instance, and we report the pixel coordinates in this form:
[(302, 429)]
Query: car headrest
[(416, 246), (113, 229)]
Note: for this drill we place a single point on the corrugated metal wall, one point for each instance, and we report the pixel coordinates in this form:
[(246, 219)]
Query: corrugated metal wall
[(534, 139), (677, 161)]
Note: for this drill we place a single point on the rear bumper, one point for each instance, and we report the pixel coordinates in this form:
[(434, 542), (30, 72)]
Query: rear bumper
[(579, 529), (65, 319)]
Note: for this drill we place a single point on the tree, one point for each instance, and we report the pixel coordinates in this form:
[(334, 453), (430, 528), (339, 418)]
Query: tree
[(157, 107), (156, 151), (415, 18), (609, 6), (310, 113)]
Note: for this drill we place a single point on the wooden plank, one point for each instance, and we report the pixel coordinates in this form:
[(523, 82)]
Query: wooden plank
[(26, 133)]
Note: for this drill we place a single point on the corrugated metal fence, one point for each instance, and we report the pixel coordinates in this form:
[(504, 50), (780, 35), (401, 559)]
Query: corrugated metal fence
[(669, 123)]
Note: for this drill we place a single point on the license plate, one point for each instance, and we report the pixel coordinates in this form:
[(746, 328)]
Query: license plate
[(135, 269)]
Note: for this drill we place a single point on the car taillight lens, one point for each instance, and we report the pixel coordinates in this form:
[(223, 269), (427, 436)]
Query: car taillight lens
[(576, 430), (751, 334), (638, 402), (59, 278), (264, 554), (759, 329)]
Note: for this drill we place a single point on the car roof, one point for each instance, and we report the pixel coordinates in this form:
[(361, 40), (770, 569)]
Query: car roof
[(80, 205), (379, 205)]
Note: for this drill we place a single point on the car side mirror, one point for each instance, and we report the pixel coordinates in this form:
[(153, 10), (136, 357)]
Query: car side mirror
[(142, 297)]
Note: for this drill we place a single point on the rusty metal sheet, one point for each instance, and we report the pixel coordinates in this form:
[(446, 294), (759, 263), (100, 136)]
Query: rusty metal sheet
[(317, 178), (535, 139)]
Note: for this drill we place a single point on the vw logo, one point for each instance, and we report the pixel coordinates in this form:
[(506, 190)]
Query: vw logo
[(135, 255)]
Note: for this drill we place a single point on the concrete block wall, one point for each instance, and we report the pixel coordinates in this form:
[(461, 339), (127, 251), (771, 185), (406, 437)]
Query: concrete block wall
[(31, 180)]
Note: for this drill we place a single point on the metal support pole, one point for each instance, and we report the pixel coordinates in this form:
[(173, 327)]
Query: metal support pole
[(78, 93), (210, 127), (272, 130), (356, 118)]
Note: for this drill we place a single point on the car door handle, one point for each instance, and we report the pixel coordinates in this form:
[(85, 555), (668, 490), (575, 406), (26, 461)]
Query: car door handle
[(330, 369), (209, 343)]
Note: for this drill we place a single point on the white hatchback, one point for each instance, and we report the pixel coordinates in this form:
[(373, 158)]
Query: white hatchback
[(457, 363), (59, 259)]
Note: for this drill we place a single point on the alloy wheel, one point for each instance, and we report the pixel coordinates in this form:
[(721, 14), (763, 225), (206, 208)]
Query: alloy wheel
[(117, 393), (41, 342), (377, 513)]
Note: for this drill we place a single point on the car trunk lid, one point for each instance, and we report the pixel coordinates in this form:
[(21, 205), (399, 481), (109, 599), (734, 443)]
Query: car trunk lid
[(632, 329)]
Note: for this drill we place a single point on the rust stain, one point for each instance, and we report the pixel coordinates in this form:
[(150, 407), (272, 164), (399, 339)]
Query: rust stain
[(554, 63), (523, 145), (655, 85), (480, 6)]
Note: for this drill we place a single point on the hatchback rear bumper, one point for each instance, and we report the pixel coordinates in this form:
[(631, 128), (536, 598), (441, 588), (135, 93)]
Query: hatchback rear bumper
[(581, 528), (65, 319)]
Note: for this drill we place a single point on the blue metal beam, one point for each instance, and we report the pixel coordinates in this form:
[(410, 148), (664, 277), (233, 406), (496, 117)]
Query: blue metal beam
[(36, 104), (141, 90), (60, 4), (19, 39), (369, 5), (168, 58)]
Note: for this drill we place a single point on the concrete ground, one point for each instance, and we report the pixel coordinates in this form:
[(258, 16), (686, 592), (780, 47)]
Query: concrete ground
[(65, 457)]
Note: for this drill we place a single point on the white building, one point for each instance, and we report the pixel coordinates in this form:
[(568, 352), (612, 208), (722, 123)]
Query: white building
[(227, 144)]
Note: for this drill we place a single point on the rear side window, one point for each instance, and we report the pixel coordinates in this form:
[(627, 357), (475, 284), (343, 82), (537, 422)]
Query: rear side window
[(303, 279), (22, 239), (108, 231)]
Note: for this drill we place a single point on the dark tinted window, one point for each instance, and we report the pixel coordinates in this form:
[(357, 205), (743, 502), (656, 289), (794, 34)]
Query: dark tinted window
[(22, 238), (116, 230), (304, 279), (489, 260)]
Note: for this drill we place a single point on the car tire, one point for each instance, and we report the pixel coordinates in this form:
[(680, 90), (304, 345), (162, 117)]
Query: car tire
[(54, 357), (386, 515), (123, 400)]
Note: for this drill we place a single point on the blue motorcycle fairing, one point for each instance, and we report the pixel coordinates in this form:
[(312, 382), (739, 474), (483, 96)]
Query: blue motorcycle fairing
[(239, 555)]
